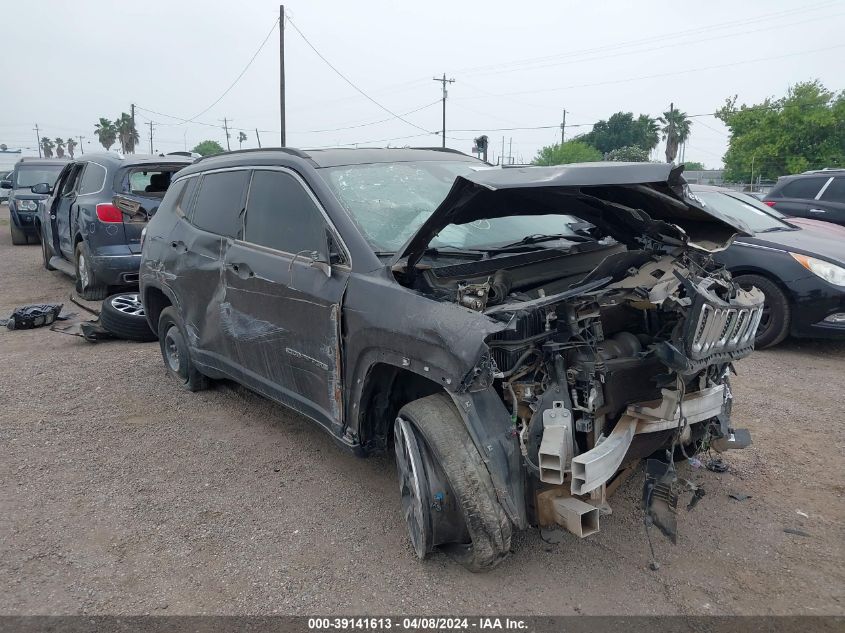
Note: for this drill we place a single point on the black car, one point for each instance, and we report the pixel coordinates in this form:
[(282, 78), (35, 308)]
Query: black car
[(813, 194), (517, 336), (23, 203), (799, 264), (91, 224)]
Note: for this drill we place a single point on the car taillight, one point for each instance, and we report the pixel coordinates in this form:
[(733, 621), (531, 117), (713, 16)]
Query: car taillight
[(107, 212), (771, 203)]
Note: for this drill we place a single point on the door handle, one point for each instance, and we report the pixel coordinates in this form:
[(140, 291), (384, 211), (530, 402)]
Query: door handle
[(818, 210), (241, 270)]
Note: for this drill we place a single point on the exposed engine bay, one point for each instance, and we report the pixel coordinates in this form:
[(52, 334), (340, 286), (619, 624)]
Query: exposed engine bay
[(609, 355)]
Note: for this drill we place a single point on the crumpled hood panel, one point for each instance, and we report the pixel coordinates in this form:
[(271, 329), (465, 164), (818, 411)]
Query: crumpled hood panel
[(628, 201)]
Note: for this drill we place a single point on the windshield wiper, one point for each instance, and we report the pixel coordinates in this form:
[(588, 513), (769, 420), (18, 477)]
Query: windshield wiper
[(537, 238), (775, 229)]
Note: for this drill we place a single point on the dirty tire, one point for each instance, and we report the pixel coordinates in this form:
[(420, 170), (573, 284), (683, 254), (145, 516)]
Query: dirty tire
[(444, 435), (777, 314), (18, 236), (45, 255), (87, 285), (123, 316), (175, 352)]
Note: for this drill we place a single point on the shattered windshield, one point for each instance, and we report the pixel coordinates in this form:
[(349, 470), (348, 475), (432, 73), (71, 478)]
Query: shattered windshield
[(390, 201)]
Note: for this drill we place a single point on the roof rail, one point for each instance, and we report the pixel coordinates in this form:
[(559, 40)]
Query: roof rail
[(448, 150), (823, 170), (287, 150)]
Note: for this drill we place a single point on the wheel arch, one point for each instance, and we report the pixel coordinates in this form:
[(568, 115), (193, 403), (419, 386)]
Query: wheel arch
[(155, 300), (746, 269)]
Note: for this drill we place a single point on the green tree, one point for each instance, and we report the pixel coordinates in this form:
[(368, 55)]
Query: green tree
[(105, 132), (241, 139), (676, 130), (622, 130), (127, 134), (692, 165), (207, 148), (71, 145), (629, 154), (803, 130), (47, 147), (60, 147), (569, 152)]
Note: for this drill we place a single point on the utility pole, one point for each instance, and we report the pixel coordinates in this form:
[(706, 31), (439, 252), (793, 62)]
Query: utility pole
[(151, 136), (226, 127), (81, 148), (562, 127), (132, 114), (38, 140), (510, 151), (257, 138), (502, 155), (444, 81), (671, 134), (281, 75)]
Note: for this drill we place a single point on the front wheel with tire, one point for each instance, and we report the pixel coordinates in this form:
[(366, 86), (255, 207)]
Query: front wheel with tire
[(123, 315), (18, 235), (175, 351), (88, 285), (774, 324), (448, 499)]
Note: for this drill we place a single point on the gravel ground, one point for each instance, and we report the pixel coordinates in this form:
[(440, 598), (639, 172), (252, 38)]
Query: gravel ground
[(123, 494)]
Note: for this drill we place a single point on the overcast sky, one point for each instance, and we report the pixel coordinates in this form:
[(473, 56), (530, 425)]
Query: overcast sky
[(516, 65)]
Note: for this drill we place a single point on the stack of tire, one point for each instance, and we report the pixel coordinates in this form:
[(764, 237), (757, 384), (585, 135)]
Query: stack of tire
[(123, 316)]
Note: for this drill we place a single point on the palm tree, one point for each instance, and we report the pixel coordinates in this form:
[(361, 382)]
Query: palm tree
[(241, 139), (676, 130), (126, 133), (71, 145), (649, 132), (106, 132), (60, 147), (47, 147)]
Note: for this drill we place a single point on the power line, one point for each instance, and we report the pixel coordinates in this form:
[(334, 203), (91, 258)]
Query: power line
[(350, 82)]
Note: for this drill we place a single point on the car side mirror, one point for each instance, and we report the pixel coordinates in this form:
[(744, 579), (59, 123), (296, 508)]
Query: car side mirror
[(42, 188), (5, 184)]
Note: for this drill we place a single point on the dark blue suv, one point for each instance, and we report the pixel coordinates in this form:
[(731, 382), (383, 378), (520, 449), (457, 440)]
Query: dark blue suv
[(91, 223), (23, 203)]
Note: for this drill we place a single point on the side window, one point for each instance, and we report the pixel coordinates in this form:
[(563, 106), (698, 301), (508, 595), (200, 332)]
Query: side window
[(281, 215), (183, 204), (72, 180), (803, 188), (220, 203), (93, 179), (835, 191), (172, 198)]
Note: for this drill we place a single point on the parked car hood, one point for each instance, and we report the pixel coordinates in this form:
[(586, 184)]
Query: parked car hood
[(25, 193), (632, 202), (812, 237)]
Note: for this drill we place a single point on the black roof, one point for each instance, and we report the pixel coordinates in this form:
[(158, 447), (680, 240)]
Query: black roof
[(335, 157)]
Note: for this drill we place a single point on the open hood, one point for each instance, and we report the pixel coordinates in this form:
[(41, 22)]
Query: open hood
[(641, 205)]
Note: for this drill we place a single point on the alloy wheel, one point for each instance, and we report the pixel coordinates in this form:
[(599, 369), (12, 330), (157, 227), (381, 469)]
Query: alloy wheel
[(412, 487), (128, 304)]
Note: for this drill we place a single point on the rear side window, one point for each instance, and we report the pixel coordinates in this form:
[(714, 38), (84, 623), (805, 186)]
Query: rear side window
[(72, 180), (93, 179), (803, 188), (835, 191), (220, 203), (280, 214), (172, 197)]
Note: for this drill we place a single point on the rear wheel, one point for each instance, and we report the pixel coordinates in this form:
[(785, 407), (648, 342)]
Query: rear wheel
[(448, 499), (18, 236), (774, 324), (175, 351), (88, 286), (123, 315)]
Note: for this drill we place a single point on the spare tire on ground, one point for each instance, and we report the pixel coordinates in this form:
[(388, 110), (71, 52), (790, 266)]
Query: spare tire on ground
[(123, 316)]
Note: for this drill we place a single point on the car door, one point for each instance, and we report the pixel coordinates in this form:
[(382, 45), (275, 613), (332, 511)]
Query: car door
[(63, 212), (830, 202), (284, 282), (798, 197), (197, 248)]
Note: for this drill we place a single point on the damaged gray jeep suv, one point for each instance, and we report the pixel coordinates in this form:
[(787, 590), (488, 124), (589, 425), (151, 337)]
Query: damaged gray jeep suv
[(521, 338)]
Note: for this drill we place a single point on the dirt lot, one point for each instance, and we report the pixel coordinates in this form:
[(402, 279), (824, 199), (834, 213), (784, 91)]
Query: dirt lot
[(122, 494)]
